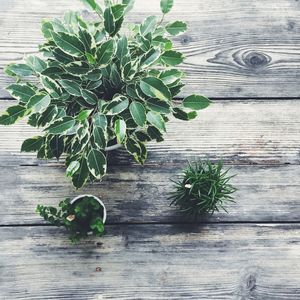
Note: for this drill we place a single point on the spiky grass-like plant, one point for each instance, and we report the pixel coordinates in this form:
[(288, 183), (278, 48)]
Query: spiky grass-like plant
[(202, 188)]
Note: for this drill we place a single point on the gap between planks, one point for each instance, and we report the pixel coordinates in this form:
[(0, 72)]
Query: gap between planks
[(191, 224)]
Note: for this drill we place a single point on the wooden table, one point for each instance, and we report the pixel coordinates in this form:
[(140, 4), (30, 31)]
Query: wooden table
[(245, 55)]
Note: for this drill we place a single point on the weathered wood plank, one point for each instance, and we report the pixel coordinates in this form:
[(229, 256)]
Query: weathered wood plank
[(153, 262), (232, 48), (138, 195), (248, 132)]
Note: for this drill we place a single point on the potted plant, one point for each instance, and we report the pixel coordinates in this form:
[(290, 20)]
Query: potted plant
[(97, 89), (84, 215), (202, 188)]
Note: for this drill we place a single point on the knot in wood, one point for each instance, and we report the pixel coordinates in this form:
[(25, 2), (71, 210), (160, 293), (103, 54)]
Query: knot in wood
[(250, 283), (185, 39), (256, 59)]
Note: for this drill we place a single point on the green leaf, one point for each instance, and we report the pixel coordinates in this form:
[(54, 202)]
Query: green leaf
[(61, 126), (87, 40), (120, 130), (156, 120), (94, 75), (93, 85), (58, 26), (68, 43), (96, 163), (105, 53), (128, 71), (182, 115), (129, 5), (159, 106), (51, 86), (149, 25), (71, 18), (21, 92), (172, 58), (79, 143), (91, 58), (122, 47), (176, 27), (155, 88), (175, 90), (39, 102), (53, 72), (109, 21), (61, 56), (82, 174), (13, 114), (100, 137), (47, 28), (84, 114), (92, 4), (132, 146), (118, 11), (164, 43), (89, 97), (57, 146), (72, 168), (169, 77), (47, 116), (100, 120), (137, 149), (36, 64), (18, 70), (196, 102), (33, 144), (33, 120), (149, 58), (97, 225), (138, 113), (117, 105), (154, 134), (71, 87), (115, 77), (166, 6), (77, 68)]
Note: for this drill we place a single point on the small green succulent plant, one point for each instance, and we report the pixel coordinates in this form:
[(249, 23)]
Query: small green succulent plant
[(95, 88), (79, 218), (202, 188)]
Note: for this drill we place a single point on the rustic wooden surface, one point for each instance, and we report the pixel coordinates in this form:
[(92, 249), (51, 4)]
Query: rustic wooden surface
[(246, 56), (237, 48), (153, 262)]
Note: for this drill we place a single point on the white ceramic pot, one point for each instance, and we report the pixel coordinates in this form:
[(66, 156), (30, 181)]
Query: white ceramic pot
[(96, 198)]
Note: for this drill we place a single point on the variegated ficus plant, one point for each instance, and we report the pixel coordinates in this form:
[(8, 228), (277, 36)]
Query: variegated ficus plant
[(95, 88)]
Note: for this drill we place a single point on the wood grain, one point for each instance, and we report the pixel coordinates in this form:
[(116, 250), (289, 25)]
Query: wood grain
[(139, 194), (153, 262), (234, 49), (249, 132)]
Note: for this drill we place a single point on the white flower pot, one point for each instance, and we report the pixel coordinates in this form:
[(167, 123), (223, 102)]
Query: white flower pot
[(96, 198)]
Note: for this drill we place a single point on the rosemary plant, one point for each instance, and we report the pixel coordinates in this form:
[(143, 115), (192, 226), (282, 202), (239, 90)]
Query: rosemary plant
[(203, 188)]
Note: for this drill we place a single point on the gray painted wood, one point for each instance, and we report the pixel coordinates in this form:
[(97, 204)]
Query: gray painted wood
[(234, 48), (153, 262), (249, 132), (139, 194)]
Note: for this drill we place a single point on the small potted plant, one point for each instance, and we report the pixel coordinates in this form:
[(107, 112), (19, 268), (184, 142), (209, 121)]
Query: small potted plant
[(98, 88), (84, 215), (202, 188)]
